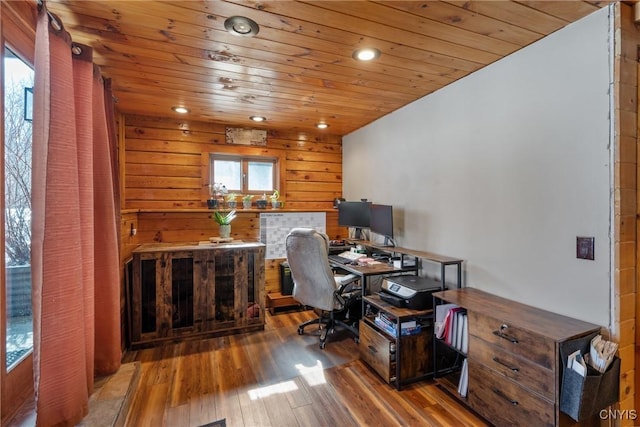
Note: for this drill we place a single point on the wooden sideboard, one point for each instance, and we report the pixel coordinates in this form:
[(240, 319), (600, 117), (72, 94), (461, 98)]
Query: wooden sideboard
[(514, 363), (180, 292)]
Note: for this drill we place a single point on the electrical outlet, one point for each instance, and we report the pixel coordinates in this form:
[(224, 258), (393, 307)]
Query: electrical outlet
[(585, 247)]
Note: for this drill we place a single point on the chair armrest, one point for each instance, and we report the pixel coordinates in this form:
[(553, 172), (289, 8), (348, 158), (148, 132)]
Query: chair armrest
[(345, 280)]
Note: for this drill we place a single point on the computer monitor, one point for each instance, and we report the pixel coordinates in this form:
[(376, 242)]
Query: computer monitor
[(354, 214), (381, 222)]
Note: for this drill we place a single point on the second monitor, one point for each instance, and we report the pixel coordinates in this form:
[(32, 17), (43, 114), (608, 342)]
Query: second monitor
[(381, 222)]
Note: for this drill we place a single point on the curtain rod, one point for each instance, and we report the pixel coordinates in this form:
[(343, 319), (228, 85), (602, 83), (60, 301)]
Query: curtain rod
[(57, 25)]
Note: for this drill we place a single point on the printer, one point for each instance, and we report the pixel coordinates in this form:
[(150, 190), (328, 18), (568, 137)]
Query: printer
[(412, 292)]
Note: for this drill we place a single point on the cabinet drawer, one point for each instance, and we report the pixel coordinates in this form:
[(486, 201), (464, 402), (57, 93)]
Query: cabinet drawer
[(523, 371), (513, 339), (504, 402), (375, 351)]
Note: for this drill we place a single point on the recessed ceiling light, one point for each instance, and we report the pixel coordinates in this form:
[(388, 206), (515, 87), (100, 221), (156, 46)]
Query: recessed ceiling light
[(181, 110), (322, 125), (366, 54), (258, 118), (241, 26)]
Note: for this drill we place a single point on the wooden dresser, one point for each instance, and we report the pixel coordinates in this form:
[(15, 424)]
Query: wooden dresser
[(513, 360)]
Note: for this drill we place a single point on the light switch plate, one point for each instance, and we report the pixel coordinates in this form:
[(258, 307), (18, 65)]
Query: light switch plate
[(585, 247)]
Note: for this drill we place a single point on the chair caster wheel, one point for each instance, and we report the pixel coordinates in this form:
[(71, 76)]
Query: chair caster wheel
[(322, 344), (300, 331), (356, 340)]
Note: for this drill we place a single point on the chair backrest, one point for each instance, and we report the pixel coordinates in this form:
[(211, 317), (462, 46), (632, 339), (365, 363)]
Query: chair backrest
[(313, 281)]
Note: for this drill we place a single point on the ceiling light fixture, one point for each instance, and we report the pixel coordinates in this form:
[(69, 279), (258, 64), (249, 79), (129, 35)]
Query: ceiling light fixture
[(322, 125), (366, 54), (180, 110), (241, 26), (258, 118)]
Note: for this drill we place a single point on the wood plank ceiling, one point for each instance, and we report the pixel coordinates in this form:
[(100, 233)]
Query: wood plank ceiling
[(298, 70)]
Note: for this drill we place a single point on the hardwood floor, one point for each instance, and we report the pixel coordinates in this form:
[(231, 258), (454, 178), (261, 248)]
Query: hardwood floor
[(279, 378), (275, 378)]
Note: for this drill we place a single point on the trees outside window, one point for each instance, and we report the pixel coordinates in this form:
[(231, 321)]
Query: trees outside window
[(18, 82)]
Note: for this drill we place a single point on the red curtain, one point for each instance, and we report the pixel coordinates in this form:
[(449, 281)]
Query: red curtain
[(75, 272)]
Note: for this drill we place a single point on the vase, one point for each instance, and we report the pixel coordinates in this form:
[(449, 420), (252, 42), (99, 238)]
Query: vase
[(261, 204), (246, 204), (212, 203), (232, 204), (225, 231), (274, 204)]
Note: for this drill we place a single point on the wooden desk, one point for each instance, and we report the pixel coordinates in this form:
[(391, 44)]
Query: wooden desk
[(443, 260)]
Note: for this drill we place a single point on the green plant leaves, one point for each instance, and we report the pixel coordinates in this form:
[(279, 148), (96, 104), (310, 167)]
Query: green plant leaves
[(224, 218)]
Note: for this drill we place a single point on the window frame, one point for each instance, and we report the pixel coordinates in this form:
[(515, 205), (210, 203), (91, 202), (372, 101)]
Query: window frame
[(17, 32), (244, 170), (248, 152)]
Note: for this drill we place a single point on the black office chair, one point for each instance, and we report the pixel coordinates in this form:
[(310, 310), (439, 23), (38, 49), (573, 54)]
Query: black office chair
[(316, 285)]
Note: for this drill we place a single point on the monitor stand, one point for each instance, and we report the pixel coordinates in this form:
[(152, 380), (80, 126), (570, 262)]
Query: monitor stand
[(389, 242)]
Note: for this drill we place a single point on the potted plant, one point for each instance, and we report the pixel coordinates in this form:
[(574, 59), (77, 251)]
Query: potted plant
[(274, 198), (231, 200), (216, 191), (212, 203), (224, 220), (261, 203), (246, 201)]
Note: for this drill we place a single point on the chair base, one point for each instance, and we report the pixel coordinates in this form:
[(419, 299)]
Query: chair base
[(330, 322)]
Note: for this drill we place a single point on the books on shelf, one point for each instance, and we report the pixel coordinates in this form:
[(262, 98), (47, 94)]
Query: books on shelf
[(464, 346), (451, 326), (440, 317), (463, 384), (387, 324)]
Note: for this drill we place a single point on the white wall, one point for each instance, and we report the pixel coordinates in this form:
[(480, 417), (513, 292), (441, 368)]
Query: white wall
[(504, 169)]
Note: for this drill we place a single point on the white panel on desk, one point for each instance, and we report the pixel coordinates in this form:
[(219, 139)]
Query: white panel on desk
[(274, 227)]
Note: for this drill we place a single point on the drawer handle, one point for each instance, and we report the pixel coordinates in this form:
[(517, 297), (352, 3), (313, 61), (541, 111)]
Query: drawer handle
[(504, 336), (505, 364), (372, 349), (502, 395)]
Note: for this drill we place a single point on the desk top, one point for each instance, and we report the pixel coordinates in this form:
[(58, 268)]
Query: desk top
[(372, 269), (405, 251)]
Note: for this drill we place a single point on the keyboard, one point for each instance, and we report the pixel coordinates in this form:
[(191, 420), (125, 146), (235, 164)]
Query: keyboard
[(340, 259), (346, 257)]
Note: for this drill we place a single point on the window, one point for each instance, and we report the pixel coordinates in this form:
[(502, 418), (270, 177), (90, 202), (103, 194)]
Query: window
[(248, 175), (18, 80)]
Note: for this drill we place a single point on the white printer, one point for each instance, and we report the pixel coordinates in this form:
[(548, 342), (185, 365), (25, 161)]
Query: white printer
[(412, 292)]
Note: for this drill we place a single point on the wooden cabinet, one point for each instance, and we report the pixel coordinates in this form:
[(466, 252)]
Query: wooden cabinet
[(514, 364), (399, 359), (187, 291)]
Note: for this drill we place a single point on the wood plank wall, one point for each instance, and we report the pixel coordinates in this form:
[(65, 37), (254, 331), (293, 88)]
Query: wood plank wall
[(624, 328), (164, 192), (163, 163)]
